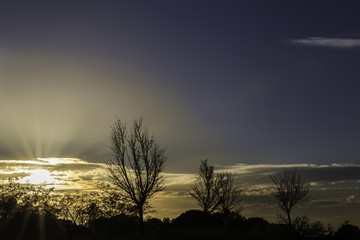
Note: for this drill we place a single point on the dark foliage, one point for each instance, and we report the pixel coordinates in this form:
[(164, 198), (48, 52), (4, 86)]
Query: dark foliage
[(28, 213), (114, 227), (193, 224), (25, 224), (347, 232)]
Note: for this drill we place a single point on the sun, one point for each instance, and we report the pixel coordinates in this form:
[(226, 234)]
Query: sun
[(39, 176), (53, 172)]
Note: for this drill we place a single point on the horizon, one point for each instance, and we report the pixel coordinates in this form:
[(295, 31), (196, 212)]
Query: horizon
[(71, 174), (252, 86)]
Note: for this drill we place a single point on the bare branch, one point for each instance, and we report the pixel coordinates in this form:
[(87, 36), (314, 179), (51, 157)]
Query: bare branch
[(290, 190), (229, 194), (206, 188), (136, 163)]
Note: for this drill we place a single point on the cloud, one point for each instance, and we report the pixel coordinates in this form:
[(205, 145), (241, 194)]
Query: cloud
[(328, 42), (14, 175), (334, 186), (62, 173)]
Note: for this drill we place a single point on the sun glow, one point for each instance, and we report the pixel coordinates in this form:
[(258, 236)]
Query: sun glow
[(61, 173), (39, 176), (43, 175)]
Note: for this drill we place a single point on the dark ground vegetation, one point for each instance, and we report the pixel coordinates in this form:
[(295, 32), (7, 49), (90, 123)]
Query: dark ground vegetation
[(32, 212)]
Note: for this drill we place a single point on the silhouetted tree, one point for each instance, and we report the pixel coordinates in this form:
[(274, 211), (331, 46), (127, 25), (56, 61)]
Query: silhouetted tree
[(347, 232), (27, 212), (216, 191), (290, 190), (136, 164), (77, 207), (229, 194), (35, 198), (206, 188), (312, 230), (83, 207), (110, 203)]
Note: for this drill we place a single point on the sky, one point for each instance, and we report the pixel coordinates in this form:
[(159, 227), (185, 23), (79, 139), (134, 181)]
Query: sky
[(242, 83)]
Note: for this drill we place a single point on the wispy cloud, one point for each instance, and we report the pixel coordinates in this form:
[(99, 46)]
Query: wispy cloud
[(328, 42), (333, 186)]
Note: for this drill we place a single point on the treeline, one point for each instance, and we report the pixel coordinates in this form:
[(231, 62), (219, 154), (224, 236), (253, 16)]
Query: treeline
[(30, 212)]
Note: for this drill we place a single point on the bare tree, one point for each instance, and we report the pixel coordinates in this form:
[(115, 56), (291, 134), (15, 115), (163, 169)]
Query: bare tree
[(74, 207), (290, 190), (206, 188), (32, 198), (83, 207), (136, 164), (229, 194)]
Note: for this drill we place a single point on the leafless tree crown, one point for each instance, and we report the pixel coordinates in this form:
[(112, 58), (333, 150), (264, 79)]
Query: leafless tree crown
[(206, 188), (290, 189), (136, 163), (230, 198), (216, 191)]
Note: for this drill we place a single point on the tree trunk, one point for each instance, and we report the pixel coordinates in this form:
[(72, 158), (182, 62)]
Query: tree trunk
[(141, 214), (289, 218), (141, 218), (226, 217)]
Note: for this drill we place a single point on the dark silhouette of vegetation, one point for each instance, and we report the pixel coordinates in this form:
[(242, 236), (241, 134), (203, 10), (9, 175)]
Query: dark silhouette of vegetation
[(290, 190), (36, 212), (136, 164), (347, 232), (31, 212), (216, 191), (16, 197), (312, 230), (230, 199), (82, 207), (27, 211), (206, 188)]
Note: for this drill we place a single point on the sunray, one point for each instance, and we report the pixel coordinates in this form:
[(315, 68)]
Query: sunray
[(24, 223), (42, 227)]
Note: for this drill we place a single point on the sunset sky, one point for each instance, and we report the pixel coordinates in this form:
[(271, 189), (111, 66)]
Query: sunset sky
[(254, 86)]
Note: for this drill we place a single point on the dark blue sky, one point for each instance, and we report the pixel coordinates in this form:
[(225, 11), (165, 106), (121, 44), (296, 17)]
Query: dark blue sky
[(235, 73)]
